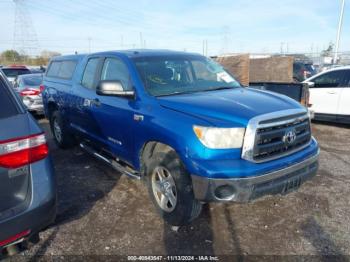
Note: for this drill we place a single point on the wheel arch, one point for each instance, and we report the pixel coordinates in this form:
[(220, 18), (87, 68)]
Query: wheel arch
[(51, 107), (148, 150)]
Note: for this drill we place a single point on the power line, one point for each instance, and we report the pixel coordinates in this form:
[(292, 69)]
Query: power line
[(24, 36)]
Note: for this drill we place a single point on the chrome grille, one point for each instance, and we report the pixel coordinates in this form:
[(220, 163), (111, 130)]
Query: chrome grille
[(270, 141), (274, 135)]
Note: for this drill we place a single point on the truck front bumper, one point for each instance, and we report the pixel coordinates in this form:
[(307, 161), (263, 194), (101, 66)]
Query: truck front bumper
[(245, 189)]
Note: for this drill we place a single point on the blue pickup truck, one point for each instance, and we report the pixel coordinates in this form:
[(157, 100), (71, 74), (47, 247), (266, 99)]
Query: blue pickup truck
[(183, 124)]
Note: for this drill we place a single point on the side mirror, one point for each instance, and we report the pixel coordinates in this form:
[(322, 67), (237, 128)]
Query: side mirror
[(310, 84), (113, 88)]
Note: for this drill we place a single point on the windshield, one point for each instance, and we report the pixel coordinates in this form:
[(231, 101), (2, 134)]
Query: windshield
[(171, 75)]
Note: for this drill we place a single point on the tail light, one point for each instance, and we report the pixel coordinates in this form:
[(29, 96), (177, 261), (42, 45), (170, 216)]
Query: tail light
[(41, 88), (30, 92), (22, 151)]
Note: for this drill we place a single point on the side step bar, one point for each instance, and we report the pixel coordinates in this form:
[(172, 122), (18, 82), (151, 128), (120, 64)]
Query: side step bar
[(113, 163)]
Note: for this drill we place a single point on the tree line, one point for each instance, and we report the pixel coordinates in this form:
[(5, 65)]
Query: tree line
[(9, 57)]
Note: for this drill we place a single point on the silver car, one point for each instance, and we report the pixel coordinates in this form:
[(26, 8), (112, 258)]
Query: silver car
[(29, 89)]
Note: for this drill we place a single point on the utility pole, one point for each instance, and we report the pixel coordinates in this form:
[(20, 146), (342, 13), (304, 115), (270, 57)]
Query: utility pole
[(206, 47), (281, 51), (203, 47), (335, 60), (25, 39), (89, 40), (141, 40)]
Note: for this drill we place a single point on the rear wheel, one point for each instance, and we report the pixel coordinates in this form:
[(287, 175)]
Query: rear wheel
[(170, 188), (61, 135)]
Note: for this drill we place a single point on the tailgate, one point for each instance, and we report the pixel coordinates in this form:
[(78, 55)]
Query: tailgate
[(14, 183)]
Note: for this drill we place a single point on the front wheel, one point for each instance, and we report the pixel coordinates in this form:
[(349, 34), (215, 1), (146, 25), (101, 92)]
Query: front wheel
[(170, 188)]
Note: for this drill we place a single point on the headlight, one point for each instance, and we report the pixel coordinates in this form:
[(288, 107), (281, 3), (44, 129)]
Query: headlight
[(220, 138)]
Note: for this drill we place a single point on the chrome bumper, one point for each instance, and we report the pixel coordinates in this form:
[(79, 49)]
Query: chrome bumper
[(246, 189)]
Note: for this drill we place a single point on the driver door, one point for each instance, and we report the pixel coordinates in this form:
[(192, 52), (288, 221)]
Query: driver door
[(114, 115)]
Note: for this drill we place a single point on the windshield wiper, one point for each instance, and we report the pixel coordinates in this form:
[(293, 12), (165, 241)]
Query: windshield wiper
[(179, 93), (219, 88), (196, 91)]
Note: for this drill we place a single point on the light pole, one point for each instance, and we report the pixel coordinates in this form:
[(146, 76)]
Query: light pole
[(338, 33)]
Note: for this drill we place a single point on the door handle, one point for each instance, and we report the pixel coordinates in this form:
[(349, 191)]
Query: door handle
[(138, 117), (96, 102), (87, 102), (331, 92)]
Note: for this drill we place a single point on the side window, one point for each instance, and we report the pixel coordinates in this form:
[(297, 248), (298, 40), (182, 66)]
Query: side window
[(67, 69), (54, 69), (88, 80), (331, 79), (115, 69), (62, 69)]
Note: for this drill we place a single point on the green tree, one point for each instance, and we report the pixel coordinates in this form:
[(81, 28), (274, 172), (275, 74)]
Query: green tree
[(10, 55)]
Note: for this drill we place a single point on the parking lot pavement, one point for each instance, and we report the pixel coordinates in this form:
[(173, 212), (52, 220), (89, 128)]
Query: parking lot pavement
[(103, 213)]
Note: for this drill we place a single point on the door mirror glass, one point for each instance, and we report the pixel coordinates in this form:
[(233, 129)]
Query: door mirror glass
[(310, 84), (113, 88)]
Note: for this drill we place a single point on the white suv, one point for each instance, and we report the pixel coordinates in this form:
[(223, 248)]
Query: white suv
[(330, 94)]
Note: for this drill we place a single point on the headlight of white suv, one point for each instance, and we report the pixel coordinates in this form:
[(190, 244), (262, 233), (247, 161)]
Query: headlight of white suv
[(220, 138)]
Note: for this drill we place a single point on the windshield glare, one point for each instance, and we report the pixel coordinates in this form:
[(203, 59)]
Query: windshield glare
[(173, 75)]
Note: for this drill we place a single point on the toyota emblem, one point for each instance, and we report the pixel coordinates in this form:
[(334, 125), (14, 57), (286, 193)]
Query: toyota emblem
[(289, 137)]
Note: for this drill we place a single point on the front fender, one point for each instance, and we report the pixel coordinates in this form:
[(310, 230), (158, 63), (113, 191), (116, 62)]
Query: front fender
[(170, 128)]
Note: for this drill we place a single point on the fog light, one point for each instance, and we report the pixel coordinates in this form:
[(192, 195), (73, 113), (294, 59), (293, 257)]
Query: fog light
[(225, 192)]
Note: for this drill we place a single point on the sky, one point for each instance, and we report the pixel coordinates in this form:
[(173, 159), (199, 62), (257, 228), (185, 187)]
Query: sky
[(226, 26)]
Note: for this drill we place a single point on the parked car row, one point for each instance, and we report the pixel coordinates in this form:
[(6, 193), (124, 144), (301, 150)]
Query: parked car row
[(29, 87)]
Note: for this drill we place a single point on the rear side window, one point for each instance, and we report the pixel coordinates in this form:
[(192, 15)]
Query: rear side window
[(67, 69), (54, 69), (90, 73), (62, 69), (8, 107)]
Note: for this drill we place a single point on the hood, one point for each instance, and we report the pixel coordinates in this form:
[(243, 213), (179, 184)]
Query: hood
[(229, 107)]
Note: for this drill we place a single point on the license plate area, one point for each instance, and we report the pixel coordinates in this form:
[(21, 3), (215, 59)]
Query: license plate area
[(291, 185)]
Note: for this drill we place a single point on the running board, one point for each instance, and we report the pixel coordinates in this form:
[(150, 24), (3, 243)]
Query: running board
[(113, 163)]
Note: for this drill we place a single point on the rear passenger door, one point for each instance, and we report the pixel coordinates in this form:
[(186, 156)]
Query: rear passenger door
[(113, 114), (83, 99)]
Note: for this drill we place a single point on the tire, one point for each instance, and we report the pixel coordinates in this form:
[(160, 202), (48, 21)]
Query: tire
[(176, 183), (63, 138)]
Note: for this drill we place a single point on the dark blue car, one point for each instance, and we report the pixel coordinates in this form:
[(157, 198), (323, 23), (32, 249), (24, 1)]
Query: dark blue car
[(27, 181), (181, 122)]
